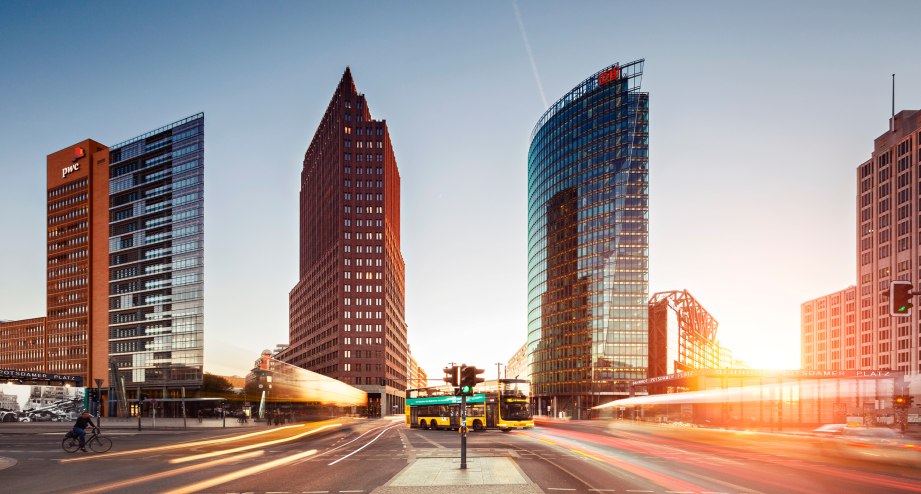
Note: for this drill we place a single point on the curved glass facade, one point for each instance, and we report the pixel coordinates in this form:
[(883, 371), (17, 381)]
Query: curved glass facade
[(588, 217)]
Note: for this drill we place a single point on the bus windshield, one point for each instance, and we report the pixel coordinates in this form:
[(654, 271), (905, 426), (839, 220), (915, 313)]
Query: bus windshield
[(514, 399)]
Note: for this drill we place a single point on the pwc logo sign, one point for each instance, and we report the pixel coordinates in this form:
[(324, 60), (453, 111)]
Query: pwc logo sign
[(609, 75), (78, 153)]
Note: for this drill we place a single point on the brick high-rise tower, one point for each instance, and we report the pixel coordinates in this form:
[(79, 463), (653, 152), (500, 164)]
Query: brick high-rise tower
[(347, 310), (76, 329)]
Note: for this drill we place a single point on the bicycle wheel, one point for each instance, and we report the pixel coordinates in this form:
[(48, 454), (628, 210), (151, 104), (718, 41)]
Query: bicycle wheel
[(70, 444), (100, 444)]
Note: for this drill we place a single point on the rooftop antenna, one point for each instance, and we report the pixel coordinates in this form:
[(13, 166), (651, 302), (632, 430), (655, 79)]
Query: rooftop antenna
[(892, 120)]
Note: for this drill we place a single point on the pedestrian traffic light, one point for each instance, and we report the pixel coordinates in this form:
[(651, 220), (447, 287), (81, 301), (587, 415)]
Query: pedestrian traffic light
[(900, 296), (469, 379), (452, 376)]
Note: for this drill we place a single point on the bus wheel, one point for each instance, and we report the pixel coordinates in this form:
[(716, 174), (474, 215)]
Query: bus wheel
[(506, 430), (477, 425), (433, 425), (423, 424)]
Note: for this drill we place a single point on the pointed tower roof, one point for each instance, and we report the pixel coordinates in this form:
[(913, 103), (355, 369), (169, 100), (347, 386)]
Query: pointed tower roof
[(347, 83)]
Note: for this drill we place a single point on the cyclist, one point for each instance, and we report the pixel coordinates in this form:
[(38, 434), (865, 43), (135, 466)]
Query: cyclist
[(80, 428)]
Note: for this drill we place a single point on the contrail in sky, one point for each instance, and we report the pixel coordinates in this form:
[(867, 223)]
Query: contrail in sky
[(527, 46)]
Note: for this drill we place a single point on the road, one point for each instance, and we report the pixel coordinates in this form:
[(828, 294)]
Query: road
[(384, 456)]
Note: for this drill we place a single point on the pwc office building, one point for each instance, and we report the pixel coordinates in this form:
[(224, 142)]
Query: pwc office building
[(125, 298)]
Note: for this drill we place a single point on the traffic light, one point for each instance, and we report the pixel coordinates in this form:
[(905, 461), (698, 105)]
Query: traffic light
[(452, 376), (469, 379), (900, 402), (900, 296)]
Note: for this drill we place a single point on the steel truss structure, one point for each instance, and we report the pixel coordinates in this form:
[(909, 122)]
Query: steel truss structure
[(688, 341)]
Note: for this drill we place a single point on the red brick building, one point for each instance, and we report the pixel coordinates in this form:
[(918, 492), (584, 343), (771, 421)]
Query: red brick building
[(73, 339), (22, 345), (347, 312), (829, 331), (76, 328)]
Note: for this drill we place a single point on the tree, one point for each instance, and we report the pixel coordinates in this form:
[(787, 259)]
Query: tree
[(215, 385)]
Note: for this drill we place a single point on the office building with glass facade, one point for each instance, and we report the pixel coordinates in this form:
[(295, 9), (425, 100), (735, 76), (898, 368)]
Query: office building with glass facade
[(156, 260), (124, 268), (682, 336), (588, 214)]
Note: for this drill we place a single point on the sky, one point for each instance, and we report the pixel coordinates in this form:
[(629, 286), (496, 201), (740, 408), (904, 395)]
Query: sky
[(760, 113)]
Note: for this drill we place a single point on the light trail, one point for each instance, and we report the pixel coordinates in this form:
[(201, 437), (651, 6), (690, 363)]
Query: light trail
[(246, 472), (804, 389), (209, 442), (169, 473), (265, 444), (664, 444), (663, 480)]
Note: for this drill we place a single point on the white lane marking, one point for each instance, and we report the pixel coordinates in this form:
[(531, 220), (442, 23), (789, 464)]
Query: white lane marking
[(315, 492), (559, 489), (363, 447)]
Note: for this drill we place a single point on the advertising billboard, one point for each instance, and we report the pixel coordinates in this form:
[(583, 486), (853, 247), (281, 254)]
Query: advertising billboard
[(34, 403)]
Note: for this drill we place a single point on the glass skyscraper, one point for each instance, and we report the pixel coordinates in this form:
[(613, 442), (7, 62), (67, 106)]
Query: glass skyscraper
[(156, 260), (588, 222)]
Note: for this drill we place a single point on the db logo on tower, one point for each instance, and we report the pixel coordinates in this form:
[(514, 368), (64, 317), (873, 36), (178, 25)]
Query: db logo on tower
[(609, 75)]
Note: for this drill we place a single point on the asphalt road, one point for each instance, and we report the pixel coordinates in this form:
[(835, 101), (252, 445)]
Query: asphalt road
[(365, 456)]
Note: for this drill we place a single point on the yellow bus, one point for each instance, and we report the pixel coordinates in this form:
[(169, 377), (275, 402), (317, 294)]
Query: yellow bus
[(504, 405)]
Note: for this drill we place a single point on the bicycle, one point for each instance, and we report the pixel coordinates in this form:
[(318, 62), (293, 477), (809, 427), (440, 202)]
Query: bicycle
[(96, 442)]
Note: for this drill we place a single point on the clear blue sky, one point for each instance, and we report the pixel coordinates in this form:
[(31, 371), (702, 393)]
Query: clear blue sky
[(760, 113)]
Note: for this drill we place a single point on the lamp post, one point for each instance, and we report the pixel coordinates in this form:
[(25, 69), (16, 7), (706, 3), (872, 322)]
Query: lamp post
[(98, 400)]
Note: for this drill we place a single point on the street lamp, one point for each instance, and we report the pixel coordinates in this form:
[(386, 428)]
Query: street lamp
[(98, 399)]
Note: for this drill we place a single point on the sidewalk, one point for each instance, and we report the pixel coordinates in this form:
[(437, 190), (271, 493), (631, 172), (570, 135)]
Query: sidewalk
[(131, 424)]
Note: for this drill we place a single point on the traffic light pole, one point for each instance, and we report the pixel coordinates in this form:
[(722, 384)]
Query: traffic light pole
[(463, 431)]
